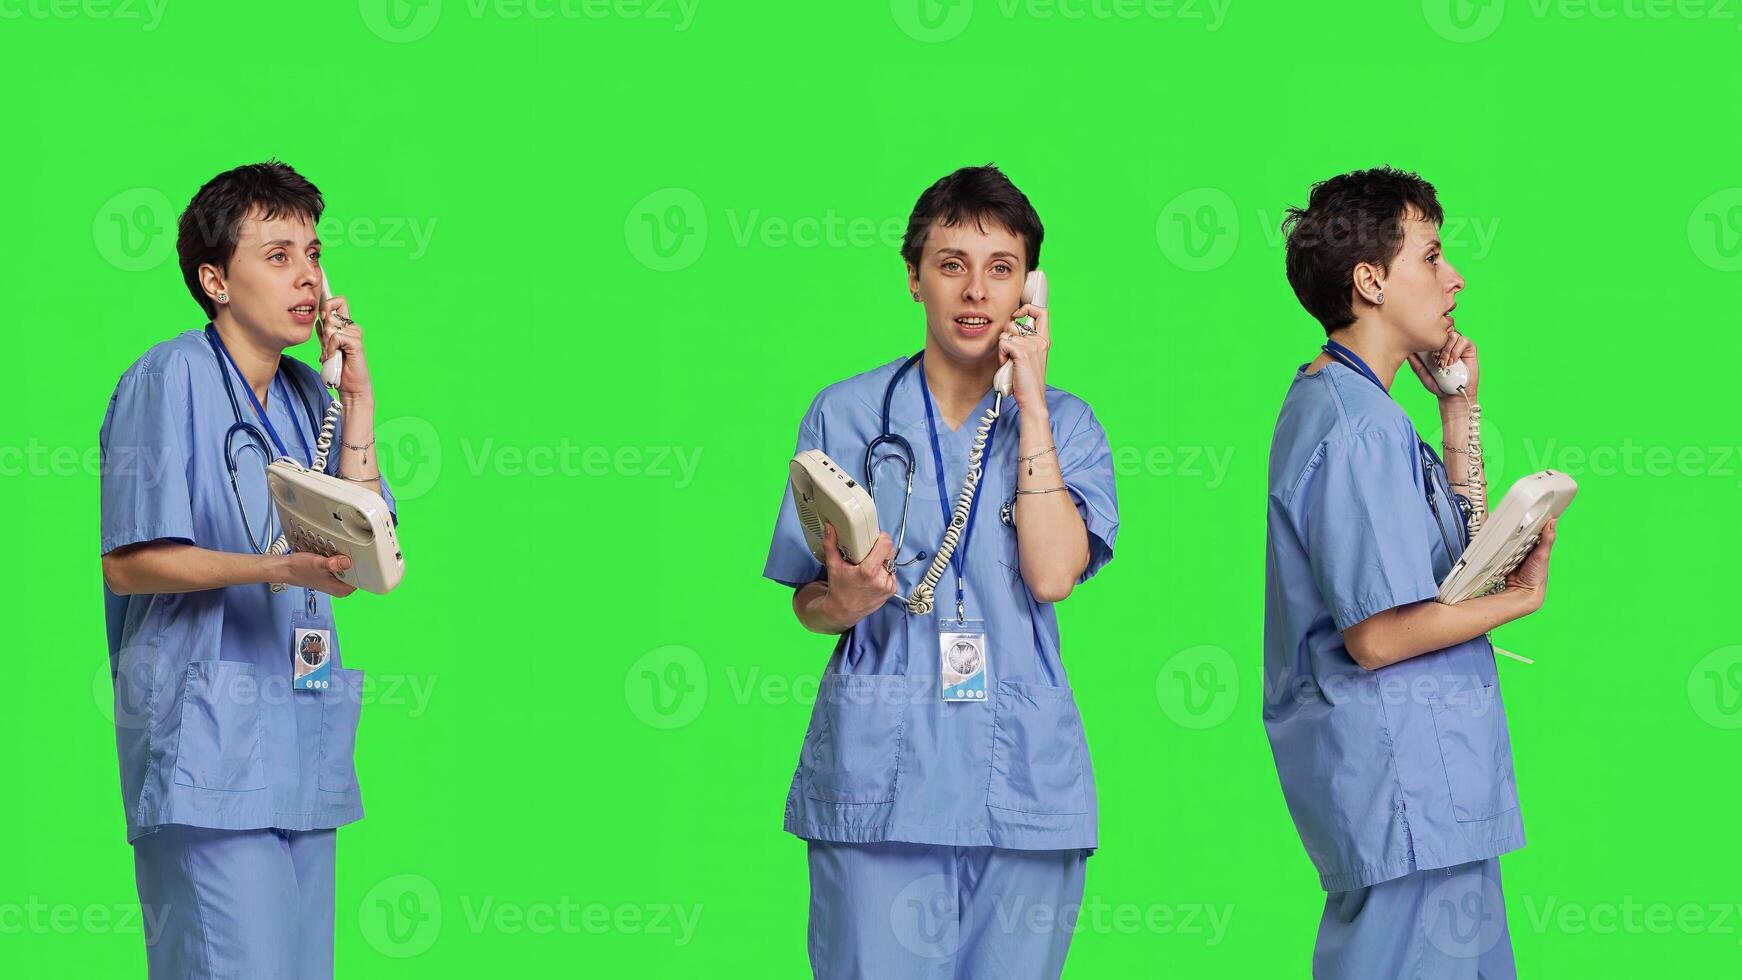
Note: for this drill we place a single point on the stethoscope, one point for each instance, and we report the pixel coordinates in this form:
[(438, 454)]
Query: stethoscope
[(897, 448), (253, 438), (1430, 460)]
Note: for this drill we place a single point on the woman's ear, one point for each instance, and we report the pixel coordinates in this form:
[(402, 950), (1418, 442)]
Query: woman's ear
[(1369, 282), (212, 281), (913, 281)]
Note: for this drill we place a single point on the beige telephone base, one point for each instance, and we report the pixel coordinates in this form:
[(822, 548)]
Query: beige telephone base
[(1508, 535), (329, 516), (824, 493)]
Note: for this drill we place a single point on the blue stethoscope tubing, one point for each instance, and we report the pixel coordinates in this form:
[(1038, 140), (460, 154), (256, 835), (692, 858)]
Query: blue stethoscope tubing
[(255, 439), (896, 448)]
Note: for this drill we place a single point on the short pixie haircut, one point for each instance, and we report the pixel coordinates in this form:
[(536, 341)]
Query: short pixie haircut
[(212, 223), (1350, 219), (977, 194)]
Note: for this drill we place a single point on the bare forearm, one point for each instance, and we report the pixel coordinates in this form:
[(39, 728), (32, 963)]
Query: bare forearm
[(357, 459), (1423, 627), (167, 566), (1455, 438), (812, 604), (1052, 543)]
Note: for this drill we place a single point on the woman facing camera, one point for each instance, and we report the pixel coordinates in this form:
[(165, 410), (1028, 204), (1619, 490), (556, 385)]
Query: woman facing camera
[(944, 777)]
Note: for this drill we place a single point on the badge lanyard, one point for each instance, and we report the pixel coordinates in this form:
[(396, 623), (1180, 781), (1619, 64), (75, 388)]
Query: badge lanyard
[(959, 560), (260, 412), (1353, 362)]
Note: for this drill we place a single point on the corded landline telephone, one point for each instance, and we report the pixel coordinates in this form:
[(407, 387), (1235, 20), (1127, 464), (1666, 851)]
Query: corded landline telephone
[(823, 492), (328, 515)]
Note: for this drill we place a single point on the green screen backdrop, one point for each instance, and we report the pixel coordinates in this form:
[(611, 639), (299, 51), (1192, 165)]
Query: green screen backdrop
[(606, 252)]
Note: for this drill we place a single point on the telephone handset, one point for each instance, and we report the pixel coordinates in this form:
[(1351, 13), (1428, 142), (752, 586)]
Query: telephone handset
[(330, 515), (1451, 380), (334, 366), (1033, 294), (920, 602)]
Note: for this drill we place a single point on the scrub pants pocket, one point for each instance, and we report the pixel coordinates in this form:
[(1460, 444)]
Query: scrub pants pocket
[(1037, 759), (341, 705), (856, 748), (1469, 727), (218, 747)]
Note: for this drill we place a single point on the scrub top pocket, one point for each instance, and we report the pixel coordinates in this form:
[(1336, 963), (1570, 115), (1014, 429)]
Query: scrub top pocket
[(219, 744), (857, 745), (341, 706), (1037, 765), (1478, 765)]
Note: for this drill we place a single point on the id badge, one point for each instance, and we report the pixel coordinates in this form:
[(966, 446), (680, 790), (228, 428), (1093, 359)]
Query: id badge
[(311, 652), (962, 656)]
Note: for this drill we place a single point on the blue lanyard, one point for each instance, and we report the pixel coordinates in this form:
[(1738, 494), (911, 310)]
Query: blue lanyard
[(959, 560), (260, 410)]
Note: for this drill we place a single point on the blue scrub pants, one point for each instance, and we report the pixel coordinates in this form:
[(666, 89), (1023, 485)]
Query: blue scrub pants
[(248, 904), (897, 911), (1444, 924)]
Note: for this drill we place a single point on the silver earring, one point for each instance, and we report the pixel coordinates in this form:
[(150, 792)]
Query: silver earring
[(1381, 297), (916, 297), (223, 297)]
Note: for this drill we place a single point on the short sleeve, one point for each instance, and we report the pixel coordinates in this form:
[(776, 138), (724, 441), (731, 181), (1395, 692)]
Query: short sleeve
[(1086, 462), (146, 442), (790, 561), (1362, 511)]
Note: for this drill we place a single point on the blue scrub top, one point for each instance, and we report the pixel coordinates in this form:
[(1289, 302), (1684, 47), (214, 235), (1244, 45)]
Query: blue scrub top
[(1404, 768), (885, 759), (208, 730)]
